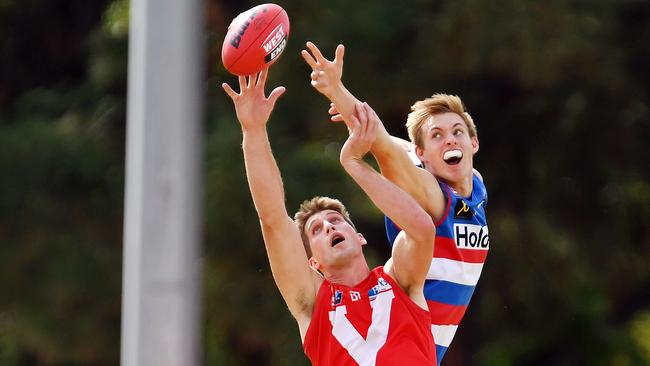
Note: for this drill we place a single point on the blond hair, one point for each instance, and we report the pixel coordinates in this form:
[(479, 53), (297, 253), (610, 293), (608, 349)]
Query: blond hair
[(311, 207), (422, 110)]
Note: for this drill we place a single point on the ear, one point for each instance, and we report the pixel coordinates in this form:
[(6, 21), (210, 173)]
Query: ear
[(474, 145), (362, 239), (420, 153), (313, 263)]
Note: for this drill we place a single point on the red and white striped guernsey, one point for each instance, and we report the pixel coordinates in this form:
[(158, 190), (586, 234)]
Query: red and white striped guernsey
[(372, 323)]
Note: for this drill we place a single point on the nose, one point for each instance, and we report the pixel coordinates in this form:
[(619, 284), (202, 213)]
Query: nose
[(328, 226), (450, 139)]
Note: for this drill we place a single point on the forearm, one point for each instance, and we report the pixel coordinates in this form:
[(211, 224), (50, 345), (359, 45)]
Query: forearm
[(396, 165), (344, 101), (390, 199), (263, 175), (393, 158), (388, 149)]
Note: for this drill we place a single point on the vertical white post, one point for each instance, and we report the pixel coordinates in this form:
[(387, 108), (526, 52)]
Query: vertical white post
[(162, 221)]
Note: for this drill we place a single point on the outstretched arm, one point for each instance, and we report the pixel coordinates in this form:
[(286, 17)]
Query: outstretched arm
[(411, 256), (326, 78), (297, 282), (406, 145), (393, 159), (397, 166)]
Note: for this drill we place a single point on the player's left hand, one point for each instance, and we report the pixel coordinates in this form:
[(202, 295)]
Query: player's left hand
[(326, 75)]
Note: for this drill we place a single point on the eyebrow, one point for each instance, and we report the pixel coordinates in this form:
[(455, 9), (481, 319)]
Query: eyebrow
[(336, 214), (310, 224), (435, 127)]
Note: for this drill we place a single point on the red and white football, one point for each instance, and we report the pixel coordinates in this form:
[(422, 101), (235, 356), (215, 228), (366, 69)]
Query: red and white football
[(255, 39)]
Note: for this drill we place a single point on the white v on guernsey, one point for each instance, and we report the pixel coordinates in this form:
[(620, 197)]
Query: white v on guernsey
[(371, 323), (364, 351)]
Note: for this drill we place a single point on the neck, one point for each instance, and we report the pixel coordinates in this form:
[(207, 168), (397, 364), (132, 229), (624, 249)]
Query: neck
[(463, 187), (348, 275)]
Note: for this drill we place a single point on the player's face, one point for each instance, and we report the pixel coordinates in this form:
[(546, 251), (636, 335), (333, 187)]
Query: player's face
[(332, 239), (448, 149)]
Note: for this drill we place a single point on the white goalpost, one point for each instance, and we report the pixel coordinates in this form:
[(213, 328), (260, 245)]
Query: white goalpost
[(162, 213)]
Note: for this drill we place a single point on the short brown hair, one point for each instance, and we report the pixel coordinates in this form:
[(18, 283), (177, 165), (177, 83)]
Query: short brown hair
[(310, 207), (422, 110)]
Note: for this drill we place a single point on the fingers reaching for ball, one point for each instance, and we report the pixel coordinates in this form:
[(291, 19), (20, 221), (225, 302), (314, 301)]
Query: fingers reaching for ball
[(252, 106), (326, 75)]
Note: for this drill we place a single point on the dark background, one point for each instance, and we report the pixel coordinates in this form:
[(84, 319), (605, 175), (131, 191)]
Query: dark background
[(560, 94)]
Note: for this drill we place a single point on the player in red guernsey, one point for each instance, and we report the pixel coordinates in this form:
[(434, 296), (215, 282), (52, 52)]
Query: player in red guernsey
[(347, 314)]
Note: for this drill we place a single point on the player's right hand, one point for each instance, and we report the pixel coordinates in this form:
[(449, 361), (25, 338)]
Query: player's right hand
[(252, 106), (362, 134)]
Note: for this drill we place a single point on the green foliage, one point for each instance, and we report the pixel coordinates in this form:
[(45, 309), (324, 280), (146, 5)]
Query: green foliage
[(60, 200), (116, 18), (640, 333)]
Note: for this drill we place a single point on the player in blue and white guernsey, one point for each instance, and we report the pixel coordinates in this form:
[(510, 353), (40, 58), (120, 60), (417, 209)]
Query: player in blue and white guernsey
[(461, 246), (444, 140)]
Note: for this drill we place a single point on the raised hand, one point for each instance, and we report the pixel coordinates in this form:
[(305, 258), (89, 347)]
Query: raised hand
[(252, 106), (362, 134), (326, 75)]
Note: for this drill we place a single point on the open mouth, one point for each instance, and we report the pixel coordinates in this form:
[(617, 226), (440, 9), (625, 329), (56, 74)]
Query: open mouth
[(453, 157), (337, 239)]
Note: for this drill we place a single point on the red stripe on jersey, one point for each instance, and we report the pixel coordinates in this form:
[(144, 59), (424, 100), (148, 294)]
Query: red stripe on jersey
[(446, 248), (444, 216), (445, 314)]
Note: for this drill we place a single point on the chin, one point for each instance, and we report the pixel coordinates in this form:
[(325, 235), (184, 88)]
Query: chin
[(452, 176)]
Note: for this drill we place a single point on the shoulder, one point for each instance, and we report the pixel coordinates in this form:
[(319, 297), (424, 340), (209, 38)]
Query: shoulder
[(387, 271), (479, 185), (478, 175), (436, 197)]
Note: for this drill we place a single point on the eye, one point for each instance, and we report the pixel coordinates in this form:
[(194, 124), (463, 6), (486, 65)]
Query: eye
[(436, 135), (458, 132), (315, 230)]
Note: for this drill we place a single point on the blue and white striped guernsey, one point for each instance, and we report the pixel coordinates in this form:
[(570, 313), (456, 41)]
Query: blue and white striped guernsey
[(461, 246)]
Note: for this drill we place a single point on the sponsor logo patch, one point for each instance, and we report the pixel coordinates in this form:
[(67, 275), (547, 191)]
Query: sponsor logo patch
[(462, 211), (381, 286), (468, 236), (354, 295), (337, 298)]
